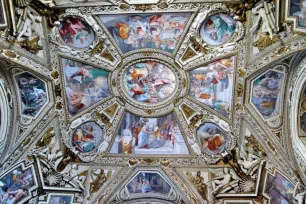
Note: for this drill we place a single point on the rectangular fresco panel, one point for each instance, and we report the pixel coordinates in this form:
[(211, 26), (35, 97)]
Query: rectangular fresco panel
[(147, 182), (85, 85), (135, 31), (298, 9), (3, 21), (32, 92), (60, 199), (15, 186), (279, 189), (212, 85), (266, 95), (139, 135)]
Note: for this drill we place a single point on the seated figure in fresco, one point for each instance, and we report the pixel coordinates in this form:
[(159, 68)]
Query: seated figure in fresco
[(212, 140), (222, 29), (146, 186)]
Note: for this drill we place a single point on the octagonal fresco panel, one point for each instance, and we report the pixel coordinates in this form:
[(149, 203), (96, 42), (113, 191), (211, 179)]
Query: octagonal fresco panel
[(266, 93), (212, 85), (87, 137), (138, 135), (16, 185), (212, 138), (84, 85), (135, 31), (218, 29), (149, 82), (59, 199), (148, 183), (298, 8), (278, 189), (76, 33), (33, 94), (302, 116)]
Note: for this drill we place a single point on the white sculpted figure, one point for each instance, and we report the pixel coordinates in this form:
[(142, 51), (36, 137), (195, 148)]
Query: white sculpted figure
[(46, 154), (223, 181), (31, 22), (264, 12), (47, 2), (73, 173), (248, 161), (298, 193)]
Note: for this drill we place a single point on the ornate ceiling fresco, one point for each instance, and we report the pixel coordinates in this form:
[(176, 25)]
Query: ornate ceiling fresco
[(153, 101)]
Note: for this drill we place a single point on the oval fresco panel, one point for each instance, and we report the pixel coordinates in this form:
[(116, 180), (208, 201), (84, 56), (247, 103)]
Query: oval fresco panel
[(87, 137), (218, 29), (32, 92), (149, 82), (212, 138), (76, 33)]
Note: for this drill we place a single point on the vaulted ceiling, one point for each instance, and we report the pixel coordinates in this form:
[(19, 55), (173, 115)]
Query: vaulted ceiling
[(153, 101)]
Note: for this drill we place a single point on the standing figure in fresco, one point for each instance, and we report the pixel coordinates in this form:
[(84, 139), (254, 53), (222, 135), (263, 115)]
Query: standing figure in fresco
[(158, 140), (126, 141), (172, 134), (143, 137), (136, 128)]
